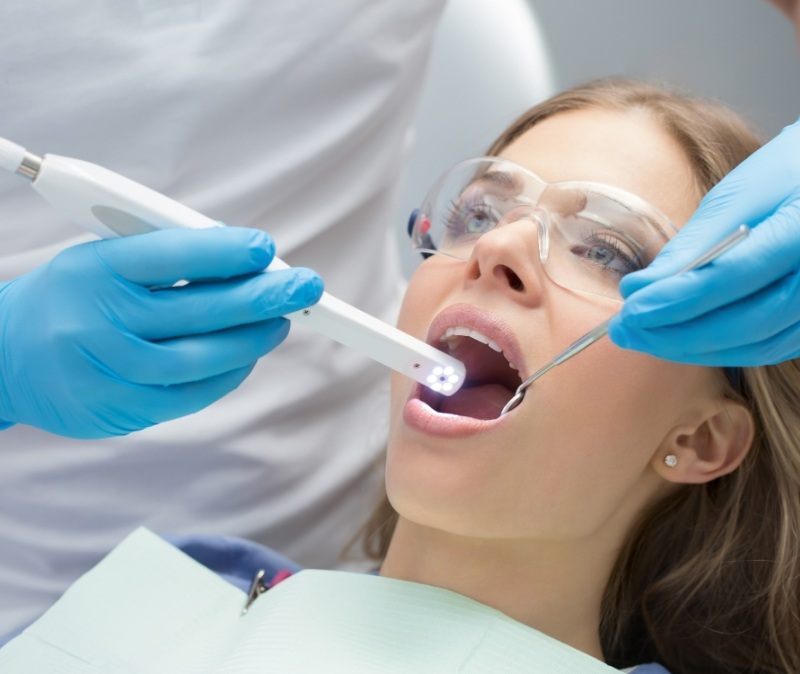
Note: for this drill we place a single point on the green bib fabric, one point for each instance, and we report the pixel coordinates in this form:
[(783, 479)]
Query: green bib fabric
[(149, 609)]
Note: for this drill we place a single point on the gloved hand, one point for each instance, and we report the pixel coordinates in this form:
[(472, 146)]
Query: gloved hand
[(96, 343), (742, 309)]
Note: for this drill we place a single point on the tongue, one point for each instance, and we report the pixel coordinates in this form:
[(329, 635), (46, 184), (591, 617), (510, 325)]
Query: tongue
[(483, 401)]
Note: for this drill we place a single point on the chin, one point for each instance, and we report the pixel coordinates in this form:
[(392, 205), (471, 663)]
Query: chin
[(440, 496)]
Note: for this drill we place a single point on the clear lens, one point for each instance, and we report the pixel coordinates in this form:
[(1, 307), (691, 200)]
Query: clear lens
[(590, 235)]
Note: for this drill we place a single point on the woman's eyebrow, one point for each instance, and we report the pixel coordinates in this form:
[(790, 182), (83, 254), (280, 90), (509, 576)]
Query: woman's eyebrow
[(507, 182)]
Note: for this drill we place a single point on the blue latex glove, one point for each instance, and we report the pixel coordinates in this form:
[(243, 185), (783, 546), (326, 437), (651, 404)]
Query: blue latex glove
[(743, 309), (96, 343)]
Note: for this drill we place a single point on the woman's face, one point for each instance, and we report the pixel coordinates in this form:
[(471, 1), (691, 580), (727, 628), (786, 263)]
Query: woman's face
[(583, 447)]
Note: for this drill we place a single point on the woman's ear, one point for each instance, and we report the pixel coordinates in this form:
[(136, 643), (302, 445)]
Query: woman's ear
[(708, 449)]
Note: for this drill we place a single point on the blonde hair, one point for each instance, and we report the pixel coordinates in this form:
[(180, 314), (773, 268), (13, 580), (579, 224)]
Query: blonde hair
[(708, 578)]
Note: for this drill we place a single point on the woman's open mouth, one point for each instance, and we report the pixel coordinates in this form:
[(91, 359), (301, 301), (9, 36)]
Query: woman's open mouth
[(492, 357)]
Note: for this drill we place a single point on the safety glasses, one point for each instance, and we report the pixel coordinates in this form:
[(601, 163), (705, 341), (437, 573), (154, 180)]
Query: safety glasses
[(590, 235)]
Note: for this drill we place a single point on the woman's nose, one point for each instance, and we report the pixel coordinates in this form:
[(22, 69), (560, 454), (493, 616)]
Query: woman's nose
[(506, 260)]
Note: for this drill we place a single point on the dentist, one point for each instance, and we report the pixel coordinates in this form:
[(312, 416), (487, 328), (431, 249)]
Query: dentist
[(288, 116)]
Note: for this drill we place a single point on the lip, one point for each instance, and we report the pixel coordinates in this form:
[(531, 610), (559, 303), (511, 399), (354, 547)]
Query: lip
[(491, 325)]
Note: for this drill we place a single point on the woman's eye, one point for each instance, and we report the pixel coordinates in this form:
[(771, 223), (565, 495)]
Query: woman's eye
[(605, 252), (471, 218)]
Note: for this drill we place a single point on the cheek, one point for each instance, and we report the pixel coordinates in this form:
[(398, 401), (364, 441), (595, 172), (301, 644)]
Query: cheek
[(427, 293), (607, 392), (590, 432), (419, 306), (615, 397)]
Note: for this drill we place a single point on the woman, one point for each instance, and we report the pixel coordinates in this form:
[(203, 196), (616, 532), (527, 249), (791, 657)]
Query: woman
[(635, 509)]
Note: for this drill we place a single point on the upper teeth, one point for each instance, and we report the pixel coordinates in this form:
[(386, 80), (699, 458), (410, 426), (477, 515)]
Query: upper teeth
[(466, 332), (460, 331)]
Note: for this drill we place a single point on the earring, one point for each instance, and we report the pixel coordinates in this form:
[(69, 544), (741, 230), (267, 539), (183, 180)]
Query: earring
[(671, 460)]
